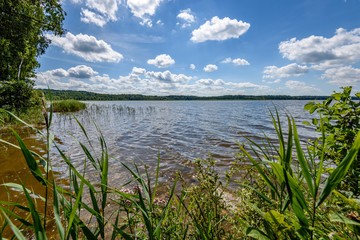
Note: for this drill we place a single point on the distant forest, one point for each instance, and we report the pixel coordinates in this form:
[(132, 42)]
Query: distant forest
[(83, 95)]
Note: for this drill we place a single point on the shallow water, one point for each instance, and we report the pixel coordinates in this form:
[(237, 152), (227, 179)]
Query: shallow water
[(179, 131)]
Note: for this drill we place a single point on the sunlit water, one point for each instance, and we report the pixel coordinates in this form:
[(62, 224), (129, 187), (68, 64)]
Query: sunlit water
[(177, 131)]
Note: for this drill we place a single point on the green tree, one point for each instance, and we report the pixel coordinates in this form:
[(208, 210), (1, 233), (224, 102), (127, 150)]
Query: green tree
[(341, 121), (23, 24)]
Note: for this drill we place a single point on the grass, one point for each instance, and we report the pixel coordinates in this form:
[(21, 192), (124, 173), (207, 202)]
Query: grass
[(285, 198), (68, 106)]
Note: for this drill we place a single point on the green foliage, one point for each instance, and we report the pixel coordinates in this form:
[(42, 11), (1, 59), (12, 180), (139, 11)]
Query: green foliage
[(285, 196), (23, 25), (294, 194), (90, 96), (341, 122), (68, 106)]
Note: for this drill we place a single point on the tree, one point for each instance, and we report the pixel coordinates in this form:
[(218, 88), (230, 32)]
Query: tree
[(23, 24)]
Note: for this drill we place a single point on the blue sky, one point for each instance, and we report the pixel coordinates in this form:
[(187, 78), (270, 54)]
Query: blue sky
[(205, 47)]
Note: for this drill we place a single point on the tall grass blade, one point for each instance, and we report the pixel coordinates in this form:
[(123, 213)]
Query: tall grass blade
[(15, 230), (57, 212), (302, 161), (74, 208), (30, 160), (26, 124), (164, 212), (261, 172), (157, 176), (41, 159), (38, 226), (339, 173)]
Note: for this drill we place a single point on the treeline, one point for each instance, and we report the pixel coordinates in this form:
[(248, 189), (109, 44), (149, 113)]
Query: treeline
[(90, 96)]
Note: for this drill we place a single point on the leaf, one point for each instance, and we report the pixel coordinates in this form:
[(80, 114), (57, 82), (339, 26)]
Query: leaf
[(302, 161), (15, 230), (38, 227), (274, 218), (30, 160), (336, 217), (339, 173), (309, 105), (256, 233), (57, 212)]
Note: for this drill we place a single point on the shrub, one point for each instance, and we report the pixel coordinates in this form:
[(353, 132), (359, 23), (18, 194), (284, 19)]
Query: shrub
[(68, 106), (340, 123)]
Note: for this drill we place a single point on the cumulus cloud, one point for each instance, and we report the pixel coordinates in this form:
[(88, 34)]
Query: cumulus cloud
[(81, 71), (240, 62), (88, 16), (342, 48), (285, 72), (143, 9), (168, 77), (162, 61), (192, 66), (343, 76), (300, 88), (210, 82), (186, 17), (219, 29), (106, 7), (140, 81), (210, 68), (237, 61), (86, 47), (138, 71)]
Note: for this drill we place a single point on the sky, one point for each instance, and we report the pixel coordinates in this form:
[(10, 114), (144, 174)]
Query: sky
[(205, 47)]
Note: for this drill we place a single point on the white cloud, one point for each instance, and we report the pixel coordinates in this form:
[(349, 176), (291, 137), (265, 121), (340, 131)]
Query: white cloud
[(240, 62), (210, 68), (88, 16), (192, 66), (143, 9), (168, 77), (107, 8), (138, 71), (237, 61), (81, 71), (186, 17), (343, 76), (227, 60), (139, 81), (285, 72), (219, 29), (209, 82), (342, 48), (159, 22), (86, 47), (300, 88), (162, 61)]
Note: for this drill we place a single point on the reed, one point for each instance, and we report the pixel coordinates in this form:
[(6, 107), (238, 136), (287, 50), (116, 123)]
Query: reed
[(68, 106), (289, 198)]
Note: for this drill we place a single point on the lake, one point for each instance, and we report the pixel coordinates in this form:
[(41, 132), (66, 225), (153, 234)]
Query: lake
[(179, 131)]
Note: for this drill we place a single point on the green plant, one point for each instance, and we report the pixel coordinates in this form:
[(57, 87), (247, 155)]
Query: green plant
[(293, 193), (68, 106), (341, 122)]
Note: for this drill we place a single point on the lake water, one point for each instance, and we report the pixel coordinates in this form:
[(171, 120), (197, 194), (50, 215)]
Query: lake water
[(179, 131)]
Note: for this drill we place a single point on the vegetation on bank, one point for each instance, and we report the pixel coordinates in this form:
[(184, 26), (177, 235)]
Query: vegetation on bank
[(68, 106), (285, 191), (90, 96)]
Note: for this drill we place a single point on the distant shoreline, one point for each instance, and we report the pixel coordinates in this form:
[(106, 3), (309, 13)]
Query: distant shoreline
[(90, 96)]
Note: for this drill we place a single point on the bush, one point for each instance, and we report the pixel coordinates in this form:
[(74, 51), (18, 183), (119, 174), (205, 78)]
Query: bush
[(340, 120), (68, 106)]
